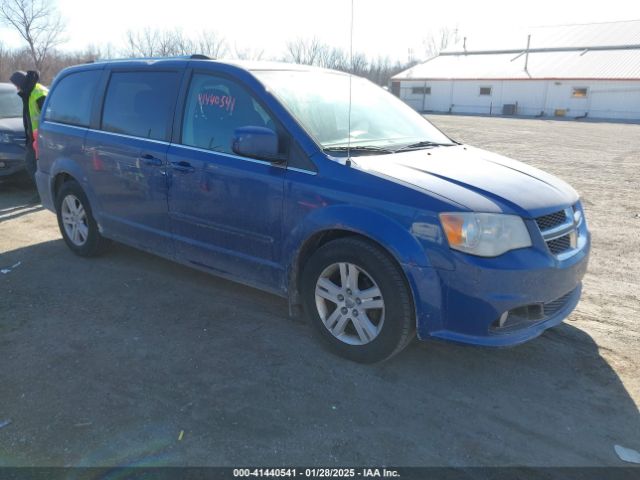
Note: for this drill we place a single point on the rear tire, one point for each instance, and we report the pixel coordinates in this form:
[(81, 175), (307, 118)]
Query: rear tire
[(358, 300), (76, 222)]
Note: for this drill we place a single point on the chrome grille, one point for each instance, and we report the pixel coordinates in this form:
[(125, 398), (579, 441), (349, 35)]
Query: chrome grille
[(559, 245), (552, 220), (560, 230)]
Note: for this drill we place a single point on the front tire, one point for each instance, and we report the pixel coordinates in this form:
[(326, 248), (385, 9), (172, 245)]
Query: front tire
[(75, 220), (358, 300)]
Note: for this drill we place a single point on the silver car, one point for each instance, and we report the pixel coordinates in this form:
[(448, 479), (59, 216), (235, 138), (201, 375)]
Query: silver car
[(12, 136)]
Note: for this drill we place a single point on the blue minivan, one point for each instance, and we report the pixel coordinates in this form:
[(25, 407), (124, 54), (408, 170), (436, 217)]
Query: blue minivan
[(319, 187)]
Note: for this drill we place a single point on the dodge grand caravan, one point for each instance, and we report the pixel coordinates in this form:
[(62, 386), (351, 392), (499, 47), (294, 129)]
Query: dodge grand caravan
[(368, 218)]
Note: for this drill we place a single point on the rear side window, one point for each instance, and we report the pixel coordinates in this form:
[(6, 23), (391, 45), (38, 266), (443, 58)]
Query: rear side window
[(71, 100), (140, 104)]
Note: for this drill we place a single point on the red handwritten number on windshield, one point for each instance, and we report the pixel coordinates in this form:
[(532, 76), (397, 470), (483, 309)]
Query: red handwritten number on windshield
[(226, 102)]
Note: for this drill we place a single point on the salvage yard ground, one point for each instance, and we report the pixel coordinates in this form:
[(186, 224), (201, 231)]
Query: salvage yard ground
[(131, 359)]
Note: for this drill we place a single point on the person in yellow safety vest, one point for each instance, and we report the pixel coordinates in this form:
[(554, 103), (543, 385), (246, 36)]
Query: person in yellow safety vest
[(33, 95)]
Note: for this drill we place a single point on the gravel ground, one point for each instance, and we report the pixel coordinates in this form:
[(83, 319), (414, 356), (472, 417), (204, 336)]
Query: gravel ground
[(107, 361)]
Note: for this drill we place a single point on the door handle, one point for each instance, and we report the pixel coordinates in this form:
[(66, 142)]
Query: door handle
[(149, 159), (183, 167)]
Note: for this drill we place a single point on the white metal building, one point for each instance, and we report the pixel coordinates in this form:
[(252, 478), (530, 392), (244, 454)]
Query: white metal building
[(574, 70)]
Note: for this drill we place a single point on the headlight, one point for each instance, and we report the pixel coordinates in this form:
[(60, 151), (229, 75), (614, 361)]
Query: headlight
[(485, 234), (5, 137)]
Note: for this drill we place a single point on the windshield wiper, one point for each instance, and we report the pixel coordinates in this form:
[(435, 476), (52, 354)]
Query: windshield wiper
[(359, 149), (423, 144)]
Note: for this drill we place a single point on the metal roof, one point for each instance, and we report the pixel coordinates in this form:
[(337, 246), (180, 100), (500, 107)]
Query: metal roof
[(601, 64), (556, 36), (591, 51)]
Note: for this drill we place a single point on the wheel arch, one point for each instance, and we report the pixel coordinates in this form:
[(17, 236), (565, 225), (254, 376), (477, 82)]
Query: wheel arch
[(64, 170), (58, 180), (396, 241), (306, 250)]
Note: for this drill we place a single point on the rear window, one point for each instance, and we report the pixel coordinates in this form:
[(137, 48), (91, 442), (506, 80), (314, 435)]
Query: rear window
[(71, 100), (140, 104)]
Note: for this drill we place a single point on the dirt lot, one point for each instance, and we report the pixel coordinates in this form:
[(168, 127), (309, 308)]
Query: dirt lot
[(106, 361)]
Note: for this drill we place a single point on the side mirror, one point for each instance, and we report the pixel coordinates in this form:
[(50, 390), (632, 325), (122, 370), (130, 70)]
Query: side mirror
[(256, 142)]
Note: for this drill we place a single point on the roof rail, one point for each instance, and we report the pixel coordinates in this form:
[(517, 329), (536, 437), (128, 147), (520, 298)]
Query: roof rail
[(195, 56)]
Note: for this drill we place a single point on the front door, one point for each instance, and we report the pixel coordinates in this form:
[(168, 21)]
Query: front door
[(225, 209)]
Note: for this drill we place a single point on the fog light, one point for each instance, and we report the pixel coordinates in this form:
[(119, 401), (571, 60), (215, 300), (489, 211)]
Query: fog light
[(520, 317), (532, 312), (3, 165)]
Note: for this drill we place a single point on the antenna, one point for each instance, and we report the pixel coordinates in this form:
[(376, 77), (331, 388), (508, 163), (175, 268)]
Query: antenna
[(348, 162), (526, 57)]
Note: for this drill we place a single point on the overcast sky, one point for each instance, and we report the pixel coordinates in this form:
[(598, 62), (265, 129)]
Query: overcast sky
[(387, 28)]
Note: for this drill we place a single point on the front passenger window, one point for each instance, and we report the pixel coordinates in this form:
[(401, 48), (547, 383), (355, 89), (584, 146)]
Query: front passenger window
[(215, 108)]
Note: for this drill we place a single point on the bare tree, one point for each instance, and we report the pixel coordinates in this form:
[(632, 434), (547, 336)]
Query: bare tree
[(100, 52), (176, 43), (332, 57), (313, 52), (435, 42), (247, 53), (155, 43), (381, 69), (141, 43), (38, 23), (20, 59), (358, 64), (166, 43), (211, 44), (305, 51)]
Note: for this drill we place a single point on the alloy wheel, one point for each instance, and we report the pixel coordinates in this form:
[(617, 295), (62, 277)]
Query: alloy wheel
[(350, 303), (74, 220)]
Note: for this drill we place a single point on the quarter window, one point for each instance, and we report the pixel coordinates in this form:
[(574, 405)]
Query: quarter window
[(215, 108), (71, 100), (485, 91), (140, 104)]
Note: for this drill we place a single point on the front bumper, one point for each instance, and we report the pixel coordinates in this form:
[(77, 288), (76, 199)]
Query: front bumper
[(465, 304), (12, 159)]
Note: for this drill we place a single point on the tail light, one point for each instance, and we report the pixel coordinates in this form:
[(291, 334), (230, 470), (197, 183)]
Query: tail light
[(35, 143)]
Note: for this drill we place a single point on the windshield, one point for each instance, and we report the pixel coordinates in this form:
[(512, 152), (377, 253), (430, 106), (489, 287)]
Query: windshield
[(320, 102), (10, 105)]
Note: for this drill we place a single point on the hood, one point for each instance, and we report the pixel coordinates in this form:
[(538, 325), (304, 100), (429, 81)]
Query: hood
[(13, 124), (475, 178)]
